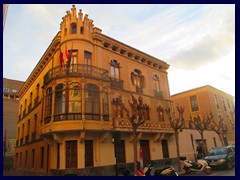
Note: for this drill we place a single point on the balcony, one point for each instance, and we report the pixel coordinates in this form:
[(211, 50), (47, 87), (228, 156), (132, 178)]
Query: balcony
[(158, 94), (80, 70), (116, 83), (153, 126), (76, 121)]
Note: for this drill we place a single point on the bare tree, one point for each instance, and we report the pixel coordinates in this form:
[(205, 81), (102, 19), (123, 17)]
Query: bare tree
[(177, 124), (140, 113), (219, 128), (201, 126)]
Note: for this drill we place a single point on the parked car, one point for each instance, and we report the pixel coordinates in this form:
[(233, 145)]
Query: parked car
[(221, 157)]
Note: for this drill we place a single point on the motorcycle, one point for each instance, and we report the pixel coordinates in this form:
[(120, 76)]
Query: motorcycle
[(167, 171), (199, 166)]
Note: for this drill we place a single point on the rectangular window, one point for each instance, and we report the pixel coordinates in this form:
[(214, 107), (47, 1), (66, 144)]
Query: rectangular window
[(74, 59), (33, 157), (194, 103), (42, 156), (165, 149), (216, 101), (87, 58), (223, 102), (5, 89)]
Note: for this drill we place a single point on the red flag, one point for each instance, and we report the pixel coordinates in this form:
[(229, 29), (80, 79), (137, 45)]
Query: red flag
[(61, 58), (66, 53)]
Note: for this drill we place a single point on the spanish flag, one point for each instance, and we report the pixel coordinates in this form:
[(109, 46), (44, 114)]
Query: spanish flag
[(66, 53)]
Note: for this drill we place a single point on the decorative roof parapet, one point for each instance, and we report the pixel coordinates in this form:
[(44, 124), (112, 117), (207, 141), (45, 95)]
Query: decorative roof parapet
[(72, 17)]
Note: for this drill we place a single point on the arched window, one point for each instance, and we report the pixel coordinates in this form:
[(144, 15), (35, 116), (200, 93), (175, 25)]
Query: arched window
[(74, 28), (75, 98), (92, 102), (59, 99), (48, 105), (137, 80), (114, 69), (105, 104)]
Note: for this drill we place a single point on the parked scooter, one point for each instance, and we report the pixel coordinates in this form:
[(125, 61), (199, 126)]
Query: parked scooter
[(199, 166), (167, 171)]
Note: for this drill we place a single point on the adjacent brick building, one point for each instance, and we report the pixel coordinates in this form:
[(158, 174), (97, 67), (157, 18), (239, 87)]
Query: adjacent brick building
[(200, 102), (10, 115)]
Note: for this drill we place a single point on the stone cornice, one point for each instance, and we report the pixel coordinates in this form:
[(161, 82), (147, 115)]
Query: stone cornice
[(129, 52), (41, 64)]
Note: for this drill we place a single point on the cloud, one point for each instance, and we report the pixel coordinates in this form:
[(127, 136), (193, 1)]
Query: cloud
[(216, 42), (188, 37)]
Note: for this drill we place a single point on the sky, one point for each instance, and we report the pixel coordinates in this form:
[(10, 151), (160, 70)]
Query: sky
[(196, 40)]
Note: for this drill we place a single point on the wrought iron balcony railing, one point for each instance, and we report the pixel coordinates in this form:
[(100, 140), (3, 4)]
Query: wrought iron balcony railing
[(147, 125), (116, 83), (81, 70), (158, 94)]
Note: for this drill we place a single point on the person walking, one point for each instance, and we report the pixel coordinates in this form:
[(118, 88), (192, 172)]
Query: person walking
[(200, 152)]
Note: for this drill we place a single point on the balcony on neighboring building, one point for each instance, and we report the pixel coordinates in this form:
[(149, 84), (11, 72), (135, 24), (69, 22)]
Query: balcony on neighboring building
[(80, 70)]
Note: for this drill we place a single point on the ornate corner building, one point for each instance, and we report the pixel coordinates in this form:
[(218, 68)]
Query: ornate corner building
[(78, 95)]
